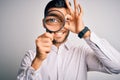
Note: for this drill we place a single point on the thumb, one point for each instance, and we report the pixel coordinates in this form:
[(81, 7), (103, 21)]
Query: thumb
[(52, 36)]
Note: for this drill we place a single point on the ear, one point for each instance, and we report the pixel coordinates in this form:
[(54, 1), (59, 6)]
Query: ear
[(43, 23)]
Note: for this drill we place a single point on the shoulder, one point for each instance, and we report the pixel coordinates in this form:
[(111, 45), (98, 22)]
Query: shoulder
[(83, 49)]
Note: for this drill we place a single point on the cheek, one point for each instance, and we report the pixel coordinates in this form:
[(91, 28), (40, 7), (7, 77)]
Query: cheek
[(66, 34)]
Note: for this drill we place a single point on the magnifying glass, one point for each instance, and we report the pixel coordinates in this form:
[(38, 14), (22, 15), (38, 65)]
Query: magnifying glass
[(54, 21)]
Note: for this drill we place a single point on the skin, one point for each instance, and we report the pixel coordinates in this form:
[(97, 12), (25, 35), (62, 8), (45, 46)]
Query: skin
[(73, 23)]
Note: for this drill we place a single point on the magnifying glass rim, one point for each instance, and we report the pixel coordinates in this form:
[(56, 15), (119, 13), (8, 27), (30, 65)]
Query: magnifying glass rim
[(62, 25)]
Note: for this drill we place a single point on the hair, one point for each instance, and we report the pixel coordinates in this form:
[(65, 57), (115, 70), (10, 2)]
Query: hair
[(55, 4)]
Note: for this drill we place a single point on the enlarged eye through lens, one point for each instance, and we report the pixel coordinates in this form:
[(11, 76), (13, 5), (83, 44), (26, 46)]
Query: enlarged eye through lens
[(54, 21), (50, 20)]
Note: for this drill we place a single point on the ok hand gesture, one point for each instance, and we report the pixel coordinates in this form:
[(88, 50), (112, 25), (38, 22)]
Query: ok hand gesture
[(76, 23)]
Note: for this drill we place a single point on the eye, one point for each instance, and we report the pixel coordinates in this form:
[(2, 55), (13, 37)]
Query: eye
[(52, 20)]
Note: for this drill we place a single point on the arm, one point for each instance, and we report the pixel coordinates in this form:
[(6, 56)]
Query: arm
[(32, 62), (26, 72), (105, 57)]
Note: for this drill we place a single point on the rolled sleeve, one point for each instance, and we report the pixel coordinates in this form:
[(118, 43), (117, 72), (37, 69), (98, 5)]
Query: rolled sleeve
[(26, 72)]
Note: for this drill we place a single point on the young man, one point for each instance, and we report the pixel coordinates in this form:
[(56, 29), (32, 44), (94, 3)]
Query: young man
[(59, 60)]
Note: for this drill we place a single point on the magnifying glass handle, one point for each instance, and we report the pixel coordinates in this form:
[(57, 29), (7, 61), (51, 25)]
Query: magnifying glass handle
[(48, 31), (53, 41), (51, 33)]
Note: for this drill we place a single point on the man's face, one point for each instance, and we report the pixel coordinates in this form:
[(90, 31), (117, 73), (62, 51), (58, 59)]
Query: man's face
[(61, 35)]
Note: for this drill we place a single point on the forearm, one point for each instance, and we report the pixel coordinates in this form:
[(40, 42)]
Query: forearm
[(28, 69), (36, 63)]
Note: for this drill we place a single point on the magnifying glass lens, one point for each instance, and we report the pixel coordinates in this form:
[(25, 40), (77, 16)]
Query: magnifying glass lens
[(54, 21)]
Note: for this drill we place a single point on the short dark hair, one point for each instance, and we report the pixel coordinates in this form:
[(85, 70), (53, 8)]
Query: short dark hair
[(55, 4)]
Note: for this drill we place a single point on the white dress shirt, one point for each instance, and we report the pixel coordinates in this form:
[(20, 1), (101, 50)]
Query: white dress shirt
[(72, 63)]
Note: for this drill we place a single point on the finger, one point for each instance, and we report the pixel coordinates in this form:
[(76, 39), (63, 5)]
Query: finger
[(76, 7), (43, 40), (49, 35), (46, 45), (75, 4), (69, 7), (46, 49), (81, 9), (46, 40)]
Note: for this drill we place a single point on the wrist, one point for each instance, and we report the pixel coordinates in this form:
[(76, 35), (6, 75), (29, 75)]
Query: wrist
[(36, 63), (87, 34), (84, 33)]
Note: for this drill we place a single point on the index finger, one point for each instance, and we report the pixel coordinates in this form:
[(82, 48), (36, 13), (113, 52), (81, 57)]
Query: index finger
[(75, 4), (49, 35), (69, 7)]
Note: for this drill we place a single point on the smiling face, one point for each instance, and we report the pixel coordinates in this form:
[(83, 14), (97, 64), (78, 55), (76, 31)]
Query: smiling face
[(61, 36)]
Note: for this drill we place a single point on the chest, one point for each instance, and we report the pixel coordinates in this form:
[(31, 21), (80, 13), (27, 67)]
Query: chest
[(65, 65)]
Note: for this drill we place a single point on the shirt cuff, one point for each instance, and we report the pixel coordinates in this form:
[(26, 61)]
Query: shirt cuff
[(32, 73)]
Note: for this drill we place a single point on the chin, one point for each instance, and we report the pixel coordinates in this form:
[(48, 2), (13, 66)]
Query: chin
[(61, 37), (60, 41)]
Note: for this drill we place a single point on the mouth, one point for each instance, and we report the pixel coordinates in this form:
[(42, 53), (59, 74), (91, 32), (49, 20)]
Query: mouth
[(60, 33)]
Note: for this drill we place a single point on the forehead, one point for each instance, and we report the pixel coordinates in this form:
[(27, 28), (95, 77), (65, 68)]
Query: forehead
[(63, 10)]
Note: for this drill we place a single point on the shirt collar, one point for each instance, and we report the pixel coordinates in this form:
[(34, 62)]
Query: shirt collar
[(67, 45)]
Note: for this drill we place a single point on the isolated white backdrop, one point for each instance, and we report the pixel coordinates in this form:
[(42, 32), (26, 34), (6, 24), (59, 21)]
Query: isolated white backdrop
[(21, 23)]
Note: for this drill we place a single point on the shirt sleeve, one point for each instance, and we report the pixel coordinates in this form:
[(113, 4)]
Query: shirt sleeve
[(105, 57), (26, 72)]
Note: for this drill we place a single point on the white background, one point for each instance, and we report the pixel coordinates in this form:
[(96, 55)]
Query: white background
[(21, 23)]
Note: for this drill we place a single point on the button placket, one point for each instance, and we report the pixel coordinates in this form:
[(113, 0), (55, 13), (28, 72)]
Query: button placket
[(59, 64)]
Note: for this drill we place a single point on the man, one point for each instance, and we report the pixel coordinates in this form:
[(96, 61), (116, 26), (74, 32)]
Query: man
[(56, 59)]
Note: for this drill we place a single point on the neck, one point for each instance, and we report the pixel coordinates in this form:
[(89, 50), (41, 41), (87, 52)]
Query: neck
[(57, 45)]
